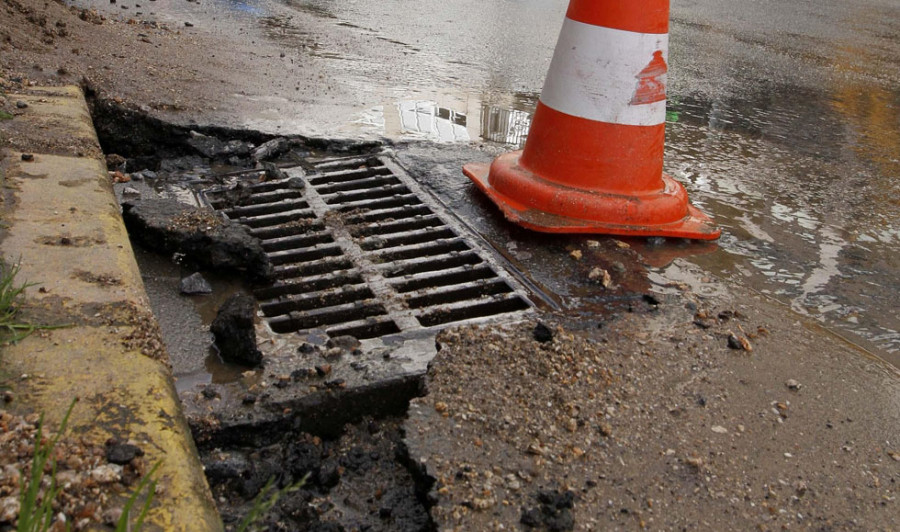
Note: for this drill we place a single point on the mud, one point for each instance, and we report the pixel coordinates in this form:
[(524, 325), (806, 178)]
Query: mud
[(357, 481), (251, 423), (202, 238)]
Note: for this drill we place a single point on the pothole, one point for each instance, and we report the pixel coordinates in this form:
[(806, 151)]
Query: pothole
[(367, 269)]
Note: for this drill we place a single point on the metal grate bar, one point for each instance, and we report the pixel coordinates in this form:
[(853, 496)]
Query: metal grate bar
[(429, 234), (254, 188), (364, 329), (296, 241), (463, 274), (429, 264), (266, 208), (275, 219), (394, 226), (440, 247), (299, 226), (451, 294), (296, 321), (368, 194), (256, 199), (293, 256), (384, 203), (382, 215), (358, 184), (350, 175), (327, 265), (312, 300), (308, 284)]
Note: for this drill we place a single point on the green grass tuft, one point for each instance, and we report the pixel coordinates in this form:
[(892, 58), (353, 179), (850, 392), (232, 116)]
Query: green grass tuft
[(37, 515), (10, 292), (265, 501), (148, 482), (36, 508), (12, 330)]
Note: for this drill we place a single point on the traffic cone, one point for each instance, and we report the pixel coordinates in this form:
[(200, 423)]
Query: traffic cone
[(593, 159)]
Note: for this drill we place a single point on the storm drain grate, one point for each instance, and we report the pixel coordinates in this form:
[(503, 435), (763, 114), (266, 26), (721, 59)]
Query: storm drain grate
[(360, 250)]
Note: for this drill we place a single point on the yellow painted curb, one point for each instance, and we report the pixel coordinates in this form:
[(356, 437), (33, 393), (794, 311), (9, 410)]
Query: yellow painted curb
[(65, 231)]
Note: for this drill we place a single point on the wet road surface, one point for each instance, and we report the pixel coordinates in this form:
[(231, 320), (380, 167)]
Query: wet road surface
[(783, 123)]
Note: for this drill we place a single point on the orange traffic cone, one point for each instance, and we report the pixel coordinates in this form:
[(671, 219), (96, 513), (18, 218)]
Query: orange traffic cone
[(593, 159)]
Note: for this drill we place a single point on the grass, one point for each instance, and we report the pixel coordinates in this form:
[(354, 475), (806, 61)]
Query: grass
[(36, 509), (148, 483), (12, 330), (10, 291), (37, 516), (264, 501), (5, 116)]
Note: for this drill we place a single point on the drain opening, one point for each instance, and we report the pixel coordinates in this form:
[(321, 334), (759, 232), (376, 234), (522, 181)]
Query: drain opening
[(361, 250), (291, 272), (429, 264), (317, 317)]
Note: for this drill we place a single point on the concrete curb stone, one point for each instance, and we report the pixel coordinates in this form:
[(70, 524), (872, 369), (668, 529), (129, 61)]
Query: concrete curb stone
[(64, 229)]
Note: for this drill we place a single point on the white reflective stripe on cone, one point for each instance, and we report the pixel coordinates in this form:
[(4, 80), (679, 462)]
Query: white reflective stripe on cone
[(596, 74)]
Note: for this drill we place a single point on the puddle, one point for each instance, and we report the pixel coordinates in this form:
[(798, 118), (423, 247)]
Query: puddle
[(803, 192), (801, 183), (185, 320)]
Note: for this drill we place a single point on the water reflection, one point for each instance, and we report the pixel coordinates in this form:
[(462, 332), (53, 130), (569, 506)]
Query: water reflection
[(506, 126), (250, 7), (430, 120), (452, 118)]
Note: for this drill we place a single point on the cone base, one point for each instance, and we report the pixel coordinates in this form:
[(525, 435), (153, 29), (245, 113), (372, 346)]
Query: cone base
[(544, 206)]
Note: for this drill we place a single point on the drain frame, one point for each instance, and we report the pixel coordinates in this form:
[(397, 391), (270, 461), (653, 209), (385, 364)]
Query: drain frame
[(415, 267)]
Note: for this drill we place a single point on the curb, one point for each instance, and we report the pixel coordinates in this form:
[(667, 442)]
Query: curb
[(64, 229)]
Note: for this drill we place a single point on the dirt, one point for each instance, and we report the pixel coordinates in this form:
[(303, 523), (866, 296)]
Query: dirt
[(655, 421), (354, 482), (136, 62)]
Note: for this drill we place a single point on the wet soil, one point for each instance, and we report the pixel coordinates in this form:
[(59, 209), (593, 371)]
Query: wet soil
[(707, 414), (357, 481), (141, 63)]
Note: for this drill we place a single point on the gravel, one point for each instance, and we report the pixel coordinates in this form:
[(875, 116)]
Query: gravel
[(92, 489), (654, 422)]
